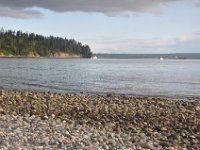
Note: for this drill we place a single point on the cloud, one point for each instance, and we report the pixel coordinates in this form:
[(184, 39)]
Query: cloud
[(129, 45), (18, 13), (197, 4), (183, 43), (188, 44), (183, 38), (107, 7)]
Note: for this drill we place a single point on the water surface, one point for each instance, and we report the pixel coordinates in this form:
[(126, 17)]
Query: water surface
[(128, 76)]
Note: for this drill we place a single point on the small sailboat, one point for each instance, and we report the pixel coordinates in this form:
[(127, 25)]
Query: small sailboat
[(94, 57), (161, 58)]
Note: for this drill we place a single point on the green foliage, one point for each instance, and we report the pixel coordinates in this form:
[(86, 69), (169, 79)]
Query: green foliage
[(86, 52), (19, 43)]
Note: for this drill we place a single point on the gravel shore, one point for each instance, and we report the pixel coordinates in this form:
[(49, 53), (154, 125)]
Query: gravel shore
[(36, 120)]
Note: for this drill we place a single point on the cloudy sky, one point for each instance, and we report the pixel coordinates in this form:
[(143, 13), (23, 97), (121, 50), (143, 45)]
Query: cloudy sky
[(111, 26)]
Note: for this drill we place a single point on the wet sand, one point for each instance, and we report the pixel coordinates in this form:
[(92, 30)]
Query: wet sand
[(36, 120)]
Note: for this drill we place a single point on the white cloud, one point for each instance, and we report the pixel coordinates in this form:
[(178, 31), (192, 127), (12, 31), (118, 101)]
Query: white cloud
[(183, 38), (119, 45), (108, 7), (182, 43)]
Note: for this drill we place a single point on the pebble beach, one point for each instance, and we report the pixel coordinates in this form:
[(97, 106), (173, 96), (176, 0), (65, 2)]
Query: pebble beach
[(44, 120)]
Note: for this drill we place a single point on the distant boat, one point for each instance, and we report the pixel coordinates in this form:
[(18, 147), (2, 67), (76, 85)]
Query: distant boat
[(161, 58), (95, 57)]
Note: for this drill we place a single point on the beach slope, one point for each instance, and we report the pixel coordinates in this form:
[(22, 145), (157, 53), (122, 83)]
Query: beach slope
[(36, 120)]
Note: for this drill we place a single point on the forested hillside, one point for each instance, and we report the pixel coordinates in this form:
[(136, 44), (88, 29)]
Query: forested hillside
[(23, 44)]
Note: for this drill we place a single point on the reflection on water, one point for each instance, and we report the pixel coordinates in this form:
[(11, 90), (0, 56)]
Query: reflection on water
[(132, 76)]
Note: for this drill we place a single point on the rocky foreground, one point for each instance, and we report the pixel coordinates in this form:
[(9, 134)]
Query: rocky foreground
[(33, 120)]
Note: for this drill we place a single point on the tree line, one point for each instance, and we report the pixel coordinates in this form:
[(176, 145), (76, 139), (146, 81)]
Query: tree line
[(22, 44)]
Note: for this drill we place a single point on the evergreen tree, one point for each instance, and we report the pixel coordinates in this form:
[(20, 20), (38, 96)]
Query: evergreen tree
[(20, 43)]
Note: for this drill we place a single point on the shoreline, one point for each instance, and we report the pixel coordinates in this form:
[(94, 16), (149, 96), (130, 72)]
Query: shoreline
[(39, 57), (170, 97), (81, 121), (56, 55)]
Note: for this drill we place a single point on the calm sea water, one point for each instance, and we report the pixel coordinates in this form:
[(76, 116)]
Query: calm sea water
[(128, 76)]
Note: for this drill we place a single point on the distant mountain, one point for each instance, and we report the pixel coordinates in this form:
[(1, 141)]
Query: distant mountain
[(150, 56)]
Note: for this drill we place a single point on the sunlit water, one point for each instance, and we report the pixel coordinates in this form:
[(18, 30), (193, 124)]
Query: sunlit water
[(128, 76)]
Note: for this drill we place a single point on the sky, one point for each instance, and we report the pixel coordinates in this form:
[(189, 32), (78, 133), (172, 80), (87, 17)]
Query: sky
[(111, 26)]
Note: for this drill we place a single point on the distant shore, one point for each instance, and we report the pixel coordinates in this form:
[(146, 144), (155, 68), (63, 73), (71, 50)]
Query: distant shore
[(99, 121), (177, 56)]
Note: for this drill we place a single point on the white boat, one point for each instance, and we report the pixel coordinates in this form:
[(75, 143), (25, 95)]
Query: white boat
[(161, 58), (95, 57)]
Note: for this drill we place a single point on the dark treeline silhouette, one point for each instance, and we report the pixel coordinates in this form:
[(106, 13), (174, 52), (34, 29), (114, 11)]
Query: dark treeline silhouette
[(22, 44)]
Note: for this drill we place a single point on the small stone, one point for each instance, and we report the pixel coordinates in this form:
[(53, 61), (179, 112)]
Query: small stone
[(142, 135), (39, 147), (112, 135), (32, 117), (138, 147), (86, 137), (2, 134), (45, 117), (151, 145), (67, 132), (164, 144), (101, 139), (112, 142), (193, 137), (197, 108), (65, 141), (53, 116), (144, 145), (2, 111), (194, 141), (163, 129), (106, 147), (3, 118)]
